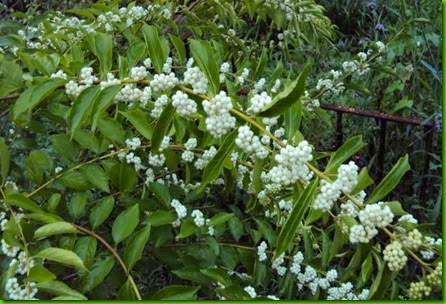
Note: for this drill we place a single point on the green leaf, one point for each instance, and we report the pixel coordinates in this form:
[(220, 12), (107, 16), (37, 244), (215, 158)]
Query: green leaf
[(102, 102), (23, 202), (31, 97), (176, 292), (82, 107), (125, 223), (215, 165), (395, 207), (59, 288), (220, 218), (47, 218), (187, 228), (289, 96), (62, 256), (364, 180), (4, 161), (162, 126), (203, 54), (390, 181), (37, 163), (40, 274), (133, 251), (161, 217), (101, 211), (358, 87), (366, 268), (75, 180), (111, 129), (138, 119), (96, 176), (345, 152), (157, 46), (53, 229), (104, 52), (404, 103), (339, 241), (293, 117), (286, 235), (87, 140), (99, 271), (192, 274), (179, 47), (86, 249), (65, 147), (77, 204), (235, 227)]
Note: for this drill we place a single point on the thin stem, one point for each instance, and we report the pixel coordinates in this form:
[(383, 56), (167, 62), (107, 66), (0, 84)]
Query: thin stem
[(116, 255)]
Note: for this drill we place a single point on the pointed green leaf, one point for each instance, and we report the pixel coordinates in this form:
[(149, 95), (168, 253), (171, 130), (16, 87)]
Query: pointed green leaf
[(23, 202), (31, 97), (40, 274), (133, 251), (187, 228), (99, 271), (104, 52), (59, 288), (102, 102), (139, 120), (37, 163), (4, 161), (111, 129), (176, 292), (101, 211), (62, 256), (77, 204), (125, 223), (220, 218), (288, 232), (390, 181), (96, 176), (162, 126), (157, 46), (53, 229), (86, 249), (345, 152), (289, 96), (215, 165), (203, 54), (161, 217), (82, 106)]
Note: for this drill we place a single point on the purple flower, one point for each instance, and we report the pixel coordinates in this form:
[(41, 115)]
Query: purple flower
[(371, 5), (380, 27), (438, 122)]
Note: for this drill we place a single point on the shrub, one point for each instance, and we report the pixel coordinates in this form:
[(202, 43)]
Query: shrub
[(146, 136)]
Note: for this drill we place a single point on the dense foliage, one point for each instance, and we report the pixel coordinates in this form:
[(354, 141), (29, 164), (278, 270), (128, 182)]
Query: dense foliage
[(177, 150)]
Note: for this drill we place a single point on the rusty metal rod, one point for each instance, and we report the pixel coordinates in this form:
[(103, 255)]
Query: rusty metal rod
[(377, 115)]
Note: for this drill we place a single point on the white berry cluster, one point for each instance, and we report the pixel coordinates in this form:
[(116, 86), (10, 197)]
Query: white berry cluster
[(371, 217), (138, 73), (133, 143), (159, 105), (17, 292), (291, 165), (205, 158), (278, 265), (261, 251), (332, 85), (111, 80), (413, 240), (181, 211), (224, 69), (129, 94), (10, 251), (24, 264), (167, 66), (298, 258), (347, 177), (163, 82), (59, 74), (219, 120), (156, 160), (197, 79), (188, 155), (258, 102), (86, 79), (435, 278), (330, 192), (394, 256), (251, 291), (183, 104), (344, 292), (241, 79), (199, 220), (418, 290), (250, 143)]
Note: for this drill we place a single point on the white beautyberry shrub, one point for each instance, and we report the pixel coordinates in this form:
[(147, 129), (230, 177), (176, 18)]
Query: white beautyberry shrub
[(131, 149)]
